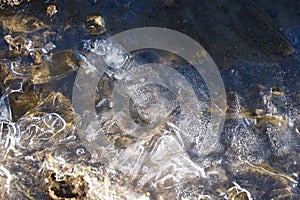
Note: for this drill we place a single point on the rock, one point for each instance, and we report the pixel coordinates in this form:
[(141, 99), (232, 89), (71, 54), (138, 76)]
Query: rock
[(10, 2), (17, 23), (95, 25), (17, 45), (36, 57), (51, 10)]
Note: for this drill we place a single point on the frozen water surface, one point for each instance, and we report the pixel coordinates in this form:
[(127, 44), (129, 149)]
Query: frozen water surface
[(147, 138), (155, 106), (154, 118)]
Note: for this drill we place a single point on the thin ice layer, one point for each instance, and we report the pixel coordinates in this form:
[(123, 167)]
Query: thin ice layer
[(157, 107)]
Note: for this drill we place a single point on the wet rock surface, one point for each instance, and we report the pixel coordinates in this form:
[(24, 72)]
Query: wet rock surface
[(43, 154)]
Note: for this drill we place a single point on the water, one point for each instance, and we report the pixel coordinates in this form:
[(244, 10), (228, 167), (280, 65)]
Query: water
[(293, 35), (144, 140)]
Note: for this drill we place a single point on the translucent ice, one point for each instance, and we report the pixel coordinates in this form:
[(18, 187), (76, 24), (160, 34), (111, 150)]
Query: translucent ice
[(166, 161), (8, 129), (157, 107), (265, 117), (29, 132), (5, 114), (110, 53), (36, 129)]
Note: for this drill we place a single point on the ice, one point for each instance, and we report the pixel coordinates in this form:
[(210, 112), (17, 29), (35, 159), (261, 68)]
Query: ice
[(9, 177), (5, 114), (167, 160), (7, 137), (265, 116), (8, 129), (237, 190), (50, 46), (158, 108), (161, 91), (28, 132), (18, 44), (38, 129), (109, 52)]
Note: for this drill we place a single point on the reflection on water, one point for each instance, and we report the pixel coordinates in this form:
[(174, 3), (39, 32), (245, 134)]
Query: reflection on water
[(45, 155)]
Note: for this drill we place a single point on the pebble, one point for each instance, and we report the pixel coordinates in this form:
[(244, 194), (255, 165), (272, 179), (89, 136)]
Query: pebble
[(51, 10), (95, 25)]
